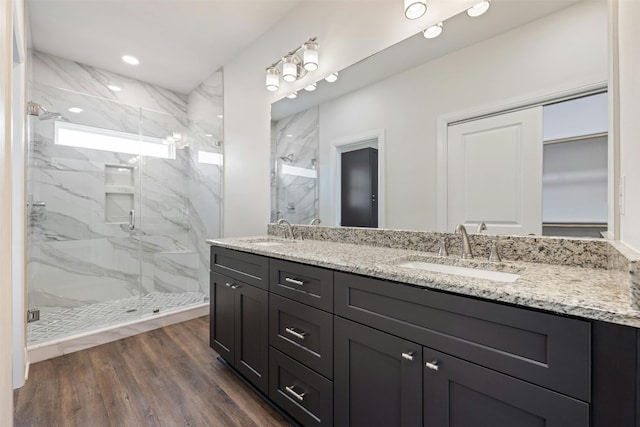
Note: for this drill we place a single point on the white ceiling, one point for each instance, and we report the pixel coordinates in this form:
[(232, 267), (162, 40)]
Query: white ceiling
[(179, 42)]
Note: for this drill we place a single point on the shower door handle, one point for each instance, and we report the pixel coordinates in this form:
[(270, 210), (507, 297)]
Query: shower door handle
[(132, 220)]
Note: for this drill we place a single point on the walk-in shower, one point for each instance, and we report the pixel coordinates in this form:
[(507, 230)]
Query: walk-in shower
[(120, 203)]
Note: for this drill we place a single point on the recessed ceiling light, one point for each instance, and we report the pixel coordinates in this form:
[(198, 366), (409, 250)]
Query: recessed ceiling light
[(208, 135), (114, 88), (479, 8), (332, 77), (433, 31), (292, 95), (220, 116), (289, 135), (132, 60), (414, 9), (75, 110), (311, 87)]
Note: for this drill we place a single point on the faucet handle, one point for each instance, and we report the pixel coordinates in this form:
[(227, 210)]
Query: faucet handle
[(442, 247), (493, 252)]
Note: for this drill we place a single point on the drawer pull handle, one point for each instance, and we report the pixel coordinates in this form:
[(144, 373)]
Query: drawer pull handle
[(432, 365), (295, 333), (228, 285), (292, 392), (408, 356), (294, 281), (235, 286)]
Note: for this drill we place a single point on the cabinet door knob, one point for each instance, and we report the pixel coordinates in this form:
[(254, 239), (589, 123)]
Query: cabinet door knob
[(295, 333), (408, 355), (432, 365), (294, 281), (292, 392)]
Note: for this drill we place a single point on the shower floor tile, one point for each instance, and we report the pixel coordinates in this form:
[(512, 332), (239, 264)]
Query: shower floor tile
[(69, 321)]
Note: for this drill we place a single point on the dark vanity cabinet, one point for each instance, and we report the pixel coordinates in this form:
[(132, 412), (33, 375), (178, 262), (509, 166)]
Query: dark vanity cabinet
[(333, 348), (240, 313)]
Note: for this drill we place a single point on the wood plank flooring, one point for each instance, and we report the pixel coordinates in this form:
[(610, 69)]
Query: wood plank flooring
[(166, 377)]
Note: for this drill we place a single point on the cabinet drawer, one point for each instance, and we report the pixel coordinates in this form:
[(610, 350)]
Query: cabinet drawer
[(302, 332), (249, 268), (544, 349), (304, 394), (309, 285)]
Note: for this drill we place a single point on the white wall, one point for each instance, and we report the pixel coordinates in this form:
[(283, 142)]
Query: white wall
[(629, 110), (347, 32), (563, 51), (6, 62)]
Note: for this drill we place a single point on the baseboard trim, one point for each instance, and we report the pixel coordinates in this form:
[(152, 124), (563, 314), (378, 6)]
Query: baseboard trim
[(73, 343)]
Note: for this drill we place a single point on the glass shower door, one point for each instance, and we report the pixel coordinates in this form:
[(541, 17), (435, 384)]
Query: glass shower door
[(83, 190)]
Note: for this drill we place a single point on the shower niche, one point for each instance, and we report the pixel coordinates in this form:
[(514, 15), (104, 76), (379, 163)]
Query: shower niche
[(119, 192)]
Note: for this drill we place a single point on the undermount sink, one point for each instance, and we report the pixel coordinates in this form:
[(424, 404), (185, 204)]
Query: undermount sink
[(269, 242), (477, 273)]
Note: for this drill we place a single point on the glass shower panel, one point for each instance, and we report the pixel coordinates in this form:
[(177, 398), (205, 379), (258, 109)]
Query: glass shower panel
[(83, 258)]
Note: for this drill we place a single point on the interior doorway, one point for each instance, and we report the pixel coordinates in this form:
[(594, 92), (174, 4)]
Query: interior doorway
[(359, 188)]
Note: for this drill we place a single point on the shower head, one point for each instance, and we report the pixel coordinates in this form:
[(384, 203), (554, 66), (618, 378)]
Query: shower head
[(289, 158), (35, 109)]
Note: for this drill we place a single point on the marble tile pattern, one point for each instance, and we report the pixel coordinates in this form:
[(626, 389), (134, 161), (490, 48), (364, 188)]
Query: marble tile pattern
[(295, 142), (576, 252), (583, 291), (75, 256)]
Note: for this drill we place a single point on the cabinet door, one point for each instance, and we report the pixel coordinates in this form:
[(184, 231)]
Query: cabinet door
[(375, 381), (462, 394), (252, 334), (222, 327)]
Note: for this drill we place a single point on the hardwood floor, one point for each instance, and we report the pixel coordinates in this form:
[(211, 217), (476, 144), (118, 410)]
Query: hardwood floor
[(166, 377)]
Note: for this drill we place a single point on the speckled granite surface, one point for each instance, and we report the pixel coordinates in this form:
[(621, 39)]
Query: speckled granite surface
[(592, 293), (576, 252)]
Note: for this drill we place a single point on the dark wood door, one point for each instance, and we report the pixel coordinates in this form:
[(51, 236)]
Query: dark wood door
[(359, 188), (222, 328), (252, 334), (375, 381), (462, 394)]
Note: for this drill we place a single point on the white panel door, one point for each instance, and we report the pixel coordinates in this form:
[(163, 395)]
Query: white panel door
[(494, 173)]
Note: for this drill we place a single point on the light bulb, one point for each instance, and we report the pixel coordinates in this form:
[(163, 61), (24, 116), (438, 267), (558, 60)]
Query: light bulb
[(273, 79), (479, 8), (311, 87), (414, 9), (292, 95), (310, 56), (289, 69), (332, 77), (433, 31)]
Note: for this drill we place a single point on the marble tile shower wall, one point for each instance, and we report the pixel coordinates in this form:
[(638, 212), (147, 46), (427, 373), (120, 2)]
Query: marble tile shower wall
[(295, 142), (76, 256)]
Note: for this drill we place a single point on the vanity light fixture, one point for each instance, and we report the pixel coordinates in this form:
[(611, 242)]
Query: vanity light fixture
[(131, 60), (332, 77), (414, 9), (294, 65), (433, 31), (311, 87), (293, 95), (479, 9)]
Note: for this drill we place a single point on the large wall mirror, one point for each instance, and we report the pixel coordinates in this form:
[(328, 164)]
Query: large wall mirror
[(502, 119)]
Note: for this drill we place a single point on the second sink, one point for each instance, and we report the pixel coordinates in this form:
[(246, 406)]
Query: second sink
[(477, 273)]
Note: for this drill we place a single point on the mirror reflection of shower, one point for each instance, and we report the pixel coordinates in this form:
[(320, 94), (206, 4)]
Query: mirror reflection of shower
[(35, 109), (289, 158)]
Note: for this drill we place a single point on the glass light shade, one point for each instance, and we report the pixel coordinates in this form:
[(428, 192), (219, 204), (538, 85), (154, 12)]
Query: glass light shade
[(310, 56), (289, 69), (414, 9), (332, 77), (292, 95), (311, 87), (273, 79), (433, 31), (479, 8)]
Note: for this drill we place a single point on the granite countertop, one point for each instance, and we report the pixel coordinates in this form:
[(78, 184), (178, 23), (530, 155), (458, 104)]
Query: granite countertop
[(592, 293)]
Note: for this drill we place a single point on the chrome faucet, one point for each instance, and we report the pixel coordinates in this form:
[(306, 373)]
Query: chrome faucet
[(315, 221), (466, 247), (481, 227), (287, 227)]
